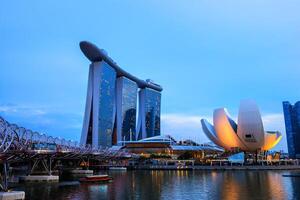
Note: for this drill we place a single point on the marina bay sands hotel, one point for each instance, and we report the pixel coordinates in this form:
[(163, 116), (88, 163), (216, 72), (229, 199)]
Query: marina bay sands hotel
[(119, 106)]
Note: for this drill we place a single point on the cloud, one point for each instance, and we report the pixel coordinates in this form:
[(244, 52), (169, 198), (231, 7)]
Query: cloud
[(275, 122), (13, 109), (182, 126), (45, 119), (180, 119)]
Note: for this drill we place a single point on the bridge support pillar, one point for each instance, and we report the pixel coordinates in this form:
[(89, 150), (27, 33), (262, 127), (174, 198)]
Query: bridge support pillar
[(5, 194), (44, 164), (4, 184)]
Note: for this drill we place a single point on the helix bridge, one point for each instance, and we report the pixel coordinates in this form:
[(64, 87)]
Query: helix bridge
[(16, 140), (22, 146)]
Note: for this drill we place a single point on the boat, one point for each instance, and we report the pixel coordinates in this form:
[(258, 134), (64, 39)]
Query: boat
[(291, 175), (118, 168), (96, 178)]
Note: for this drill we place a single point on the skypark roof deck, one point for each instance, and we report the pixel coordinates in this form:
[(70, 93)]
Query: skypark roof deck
[(94, 54)]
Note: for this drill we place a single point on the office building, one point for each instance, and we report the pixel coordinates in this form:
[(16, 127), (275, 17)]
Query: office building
[(292, 127)]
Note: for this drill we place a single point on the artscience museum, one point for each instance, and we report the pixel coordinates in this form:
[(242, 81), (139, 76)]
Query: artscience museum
[(246, 135)]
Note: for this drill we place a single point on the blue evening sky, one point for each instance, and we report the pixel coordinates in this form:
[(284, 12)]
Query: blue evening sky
[(205, 54)]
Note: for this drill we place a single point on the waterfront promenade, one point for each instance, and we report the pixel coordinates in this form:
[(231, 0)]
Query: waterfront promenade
[(221, 168)]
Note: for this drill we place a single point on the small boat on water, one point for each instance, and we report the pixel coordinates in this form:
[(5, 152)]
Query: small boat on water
[(291, 175), (96, 179), (118, 168)]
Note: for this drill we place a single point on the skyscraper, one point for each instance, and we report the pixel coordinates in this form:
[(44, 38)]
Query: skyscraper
[(126, 109), (149, 113), (111, 103), (292, 127), (100, 106)]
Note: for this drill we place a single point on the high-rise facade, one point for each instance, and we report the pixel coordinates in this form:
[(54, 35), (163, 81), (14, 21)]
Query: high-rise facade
[(100, 105), (292, 127), (149, 113), (126, 109), (111, 103)]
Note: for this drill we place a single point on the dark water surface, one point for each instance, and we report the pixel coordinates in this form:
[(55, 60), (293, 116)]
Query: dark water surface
[(175, 185)]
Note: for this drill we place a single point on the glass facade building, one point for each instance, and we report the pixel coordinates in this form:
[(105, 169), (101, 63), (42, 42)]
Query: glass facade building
[(292, 126), (126, 109), (99, 120), (111, 102), (149, 113), (106, 118)]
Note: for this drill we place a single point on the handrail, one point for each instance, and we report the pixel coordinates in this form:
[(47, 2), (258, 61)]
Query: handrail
[(14, 138)]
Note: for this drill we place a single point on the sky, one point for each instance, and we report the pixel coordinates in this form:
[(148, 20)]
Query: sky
[(205, 54)]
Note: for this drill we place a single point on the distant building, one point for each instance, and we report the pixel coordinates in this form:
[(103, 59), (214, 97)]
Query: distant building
[(188, 143), (111, 103), (166, 145), (292, 127)]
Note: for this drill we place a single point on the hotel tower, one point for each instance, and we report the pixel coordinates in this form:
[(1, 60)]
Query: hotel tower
[(119, 106)]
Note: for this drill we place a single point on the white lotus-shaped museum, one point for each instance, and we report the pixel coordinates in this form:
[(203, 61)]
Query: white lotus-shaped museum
[(248, 134)]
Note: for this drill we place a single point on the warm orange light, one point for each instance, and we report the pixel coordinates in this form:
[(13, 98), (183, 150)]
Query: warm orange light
[(225, 132), (271, 140), (247, 135)]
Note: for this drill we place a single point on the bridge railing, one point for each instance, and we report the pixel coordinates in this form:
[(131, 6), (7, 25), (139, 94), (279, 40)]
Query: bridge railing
[(17, 138)]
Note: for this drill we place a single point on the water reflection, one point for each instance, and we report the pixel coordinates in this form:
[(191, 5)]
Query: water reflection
[(251, 185), (228, 185)]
